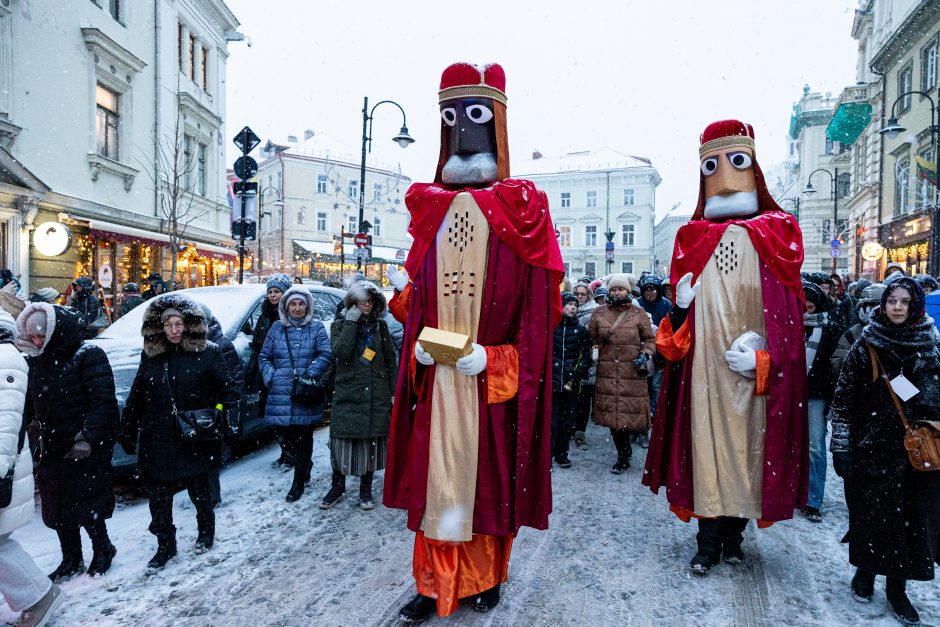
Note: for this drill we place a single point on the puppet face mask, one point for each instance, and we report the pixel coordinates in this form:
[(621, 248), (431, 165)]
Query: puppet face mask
[(730, 185), (471, 141)]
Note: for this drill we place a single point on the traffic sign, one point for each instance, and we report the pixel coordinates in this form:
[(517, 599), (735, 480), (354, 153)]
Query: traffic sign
[(835, 243), (245, 167), (361, 240), (609, 255), (363, 254), (246, 140), (835, 252), (609, 246)]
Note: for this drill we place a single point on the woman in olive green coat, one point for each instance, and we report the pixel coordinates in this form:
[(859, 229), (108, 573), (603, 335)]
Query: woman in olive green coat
[(366, 374)]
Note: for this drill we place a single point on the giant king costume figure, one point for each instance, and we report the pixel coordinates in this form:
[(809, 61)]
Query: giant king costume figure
[(469, 450)]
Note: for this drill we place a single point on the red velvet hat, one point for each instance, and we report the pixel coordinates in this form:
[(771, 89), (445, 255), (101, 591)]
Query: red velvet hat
[(725, 134), (466, 80)]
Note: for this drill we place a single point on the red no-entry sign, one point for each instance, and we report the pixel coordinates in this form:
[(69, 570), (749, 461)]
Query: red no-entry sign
[(361, 240)]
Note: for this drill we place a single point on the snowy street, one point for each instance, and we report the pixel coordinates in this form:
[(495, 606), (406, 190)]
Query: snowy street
[(614, 556)]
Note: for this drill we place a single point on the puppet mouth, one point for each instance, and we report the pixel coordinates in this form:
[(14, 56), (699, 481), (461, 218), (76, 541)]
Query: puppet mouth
[(475, 169), (731, 205)]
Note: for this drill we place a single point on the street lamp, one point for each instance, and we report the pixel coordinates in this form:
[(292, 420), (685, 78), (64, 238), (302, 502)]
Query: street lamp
[(261, 214), (891, 131), (835, 203), (403, 139)]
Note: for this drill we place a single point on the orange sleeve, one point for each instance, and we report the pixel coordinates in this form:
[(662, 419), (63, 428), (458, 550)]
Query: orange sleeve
[(673, 345), (763, 373), (502, 373), (398, 306)]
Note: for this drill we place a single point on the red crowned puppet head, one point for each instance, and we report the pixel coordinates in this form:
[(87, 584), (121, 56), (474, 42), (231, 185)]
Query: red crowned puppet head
[(473, 125), (731, 184)]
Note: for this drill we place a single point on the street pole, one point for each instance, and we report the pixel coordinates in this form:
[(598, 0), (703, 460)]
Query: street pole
[(362, 171), (935, 136), (835, 213)]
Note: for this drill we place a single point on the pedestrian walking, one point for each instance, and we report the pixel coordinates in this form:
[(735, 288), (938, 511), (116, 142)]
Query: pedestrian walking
[(571, 359), (658, 307), (72, 411), (366, 375), (296, 349), (156, 286), (131, 298), (181, 375), (585, 401), (869, 298), (600, 296), (23, 586), (927, 283), (894, 509), (621, 330), (84, 300)]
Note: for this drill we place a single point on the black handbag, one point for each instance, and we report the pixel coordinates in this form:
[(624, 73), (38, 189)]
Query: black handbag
[(195, 425), (304, 390), (6, 482)]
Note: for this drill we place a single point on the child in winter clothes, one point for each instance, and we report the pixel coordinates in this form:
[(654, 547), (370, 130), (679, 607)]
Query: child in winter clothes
[(571, 358)]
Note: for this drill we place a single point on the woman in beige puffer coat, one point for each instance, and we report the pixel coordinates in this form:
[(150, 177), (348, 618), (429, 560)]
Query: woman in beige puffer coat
[(624, 336)]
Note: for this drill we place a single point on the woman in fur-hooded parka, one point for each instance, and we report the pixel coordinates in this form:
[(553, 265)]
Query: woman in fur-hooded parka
[(194, 372)]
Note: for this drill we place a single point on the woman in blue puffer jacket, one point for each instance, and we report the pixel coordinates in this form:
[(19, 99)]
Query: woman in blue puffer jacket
[(297, 344)]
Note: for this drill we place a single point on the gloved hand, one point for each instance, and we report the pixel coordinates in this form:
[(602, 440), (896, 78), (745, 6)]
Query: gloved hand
[(685, 291), (353, 313), (80, 450), (474, 363), (398, 278), (424, 358), (842, 463), (742, 362), (640, 362)]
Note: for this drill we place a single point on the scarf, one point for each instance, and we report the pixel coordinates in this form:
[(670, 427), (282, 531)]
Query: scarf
[(296, 322), (816, 322), (901, 341), (366, 328)]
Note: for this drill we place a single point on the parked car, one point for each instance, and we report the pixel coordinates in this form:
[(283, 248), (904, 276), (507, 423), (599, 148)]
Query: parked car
[(237, 308)]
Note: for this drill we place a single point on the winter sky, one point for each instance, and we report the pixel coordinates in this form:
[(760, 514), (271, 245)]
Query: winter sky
[(641, 77)]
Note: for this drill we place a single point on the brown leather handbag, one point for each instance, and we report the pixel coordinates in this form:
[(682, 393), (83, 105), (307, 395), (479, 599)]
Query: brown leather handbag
[(921, 437)]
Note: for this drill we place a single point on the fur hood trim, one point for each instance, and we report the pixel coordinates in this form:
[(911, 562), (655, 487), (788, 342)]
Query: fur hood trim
[(282, 305), (22, 334), (364, 290), (194, 324)]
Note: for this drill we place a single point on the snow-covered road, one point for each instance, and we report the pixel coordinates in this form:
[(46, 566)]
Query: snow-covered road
[(614, 556)]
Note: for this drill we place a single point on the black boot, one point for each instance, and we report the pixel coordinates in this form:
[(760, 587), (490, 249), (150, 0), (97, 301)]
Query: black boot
[(863, 585), (897, 599), (365, 492), (337, 490), (72, 562), (709, 546), (624, 451), (418, 609), (101, 560), (487, 600), (301, 477), (206, 537), (166, 550)]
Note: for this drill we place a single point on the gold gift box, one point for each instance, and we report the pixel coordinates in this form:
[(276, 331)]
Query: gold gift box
[(444, 346)]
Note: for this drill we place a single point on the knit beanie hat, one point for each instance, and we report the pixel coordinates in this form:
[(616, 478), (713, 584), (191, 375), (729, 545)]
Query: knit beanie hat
[(626, 281), (169, 312), (294, 296), (46, 294), (568, 297), (281, 282), (36, 322)]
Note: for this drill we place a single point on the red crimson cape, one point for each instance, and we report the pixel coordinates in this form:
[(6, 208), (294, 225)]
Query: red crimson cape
[(521, 307)]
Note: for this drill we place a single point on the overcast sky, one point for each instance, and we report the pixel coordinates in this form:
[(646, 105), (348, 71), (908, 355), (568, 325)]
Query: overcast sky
[(641, 77)]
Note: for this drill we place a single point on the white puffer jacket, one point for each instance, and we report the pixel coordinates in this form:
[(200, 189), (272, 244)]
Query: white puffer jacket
[(13, 379)]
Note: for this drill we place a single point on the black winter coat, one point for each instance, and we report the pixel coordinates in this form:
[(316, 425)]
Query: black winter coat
[(88, 307), (571, 354), (894, 510), (71, 395), (820, 381)]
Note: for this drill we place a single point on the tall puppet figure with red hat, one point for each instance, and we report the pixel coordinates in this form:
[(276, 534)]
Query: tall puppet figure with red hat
[(730, 438), (469, 449)]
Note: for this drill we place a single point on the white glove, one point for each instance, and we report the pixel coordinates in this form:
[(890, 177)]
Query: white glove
[(474, 363), (424, 358), (742, 361), (398, 278), (353, 313), (685, 291)]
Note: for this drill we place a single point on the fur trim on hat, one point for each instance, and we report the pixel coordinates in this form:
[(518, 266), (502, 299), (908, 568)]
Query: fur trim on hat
[(23, 332), (194, 324), (296, 291), (621, 279), (362, 291)]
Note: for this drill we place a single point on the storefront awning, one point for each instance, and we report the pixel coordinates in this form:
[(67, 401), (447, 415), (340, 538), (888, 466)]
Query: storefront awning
[(121, 233), (849, 121)]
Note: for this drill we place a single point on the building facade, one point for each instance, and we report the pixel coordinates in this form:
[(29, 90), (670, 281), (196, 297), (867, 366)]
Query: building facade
[(309, 210), (664, 240), (119, 109), (591, 195)]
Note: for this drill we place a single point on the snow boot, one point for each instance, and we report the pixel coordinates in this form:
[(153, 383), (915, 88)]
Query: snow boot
[(644, 440), (863, 585), (40, 612), (301, 478), (732, 554), (72, 564), (365, 492), (702, 563), (811, 514), (562, 461), (166, 550), (101, 560), (419, 609), (337, 490), (897, 599), (206, 538), (580, 441), (487, 600)]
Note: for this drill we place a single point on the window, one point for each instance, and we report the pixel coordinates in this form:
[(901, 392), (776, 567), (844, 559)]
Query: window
[(302, 215), (926, 181), (928, 66), (843, 185), (201, 153), (590, 200), (905, 77), (590, 268), (627, 233), (107, 122), (352, 224), (117, 10), (828, 150), (187, 164), (564, 236), (179, 45), (590, 235), (376, 191), (353, 189), (192, 58), (321, 183), (902, 173), (204, 69), (629, 196), (377, 226), (626, 267), (321, 221), (565, 200)]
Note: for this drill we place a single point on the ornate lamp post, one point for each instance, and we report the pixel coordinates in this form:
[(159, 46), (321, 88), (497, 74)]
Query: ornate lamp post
[(834, 195)]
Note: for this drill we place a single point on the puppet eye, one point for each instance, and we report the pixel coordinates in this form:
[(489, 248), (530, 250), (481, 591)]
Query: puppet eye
[(449, 115), (479, 114), (709, 166), (740, 160)]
